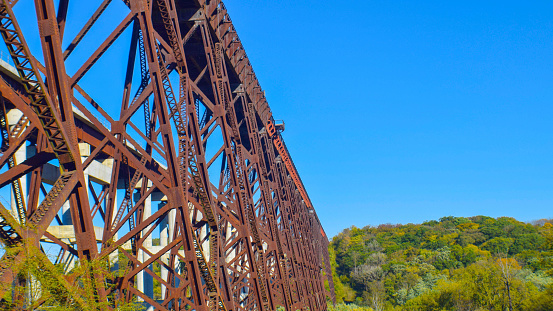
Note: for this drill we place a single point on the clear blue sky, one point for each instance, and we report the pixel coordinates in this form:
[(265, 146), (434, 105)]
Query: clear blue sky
[(395, 111), (405, 111)]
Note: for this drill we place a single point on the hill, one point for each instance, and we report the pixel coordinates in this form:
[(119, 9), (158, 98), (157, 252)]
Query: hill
[(456, 263)]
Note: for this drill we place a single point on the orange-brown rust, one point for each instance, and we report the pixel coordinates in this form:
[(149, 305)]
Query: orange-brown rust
[(279, 144)]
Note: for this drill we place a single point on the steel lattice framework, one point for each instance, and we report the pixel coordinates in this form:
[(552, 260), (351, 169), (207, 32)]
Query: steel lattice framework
[(233, 228)]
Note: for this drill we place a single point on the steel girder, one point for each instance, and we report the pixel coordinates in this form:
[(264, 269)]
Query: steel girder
[(234, 227)]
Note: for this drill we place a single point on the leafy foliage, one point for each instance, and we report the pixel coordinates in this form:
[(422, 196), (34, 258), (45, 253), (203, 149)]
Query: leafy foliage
[(41, 285), (456, 263)]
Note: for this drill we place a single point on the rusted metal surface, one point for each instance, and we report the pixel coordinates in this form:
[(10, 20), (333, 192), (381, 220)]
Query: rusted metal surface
[(191, 182)]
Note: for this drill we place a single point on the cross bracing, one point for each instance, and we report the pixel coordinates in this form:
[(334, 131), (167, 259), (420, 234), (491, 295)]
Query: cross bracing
[(181, 182)]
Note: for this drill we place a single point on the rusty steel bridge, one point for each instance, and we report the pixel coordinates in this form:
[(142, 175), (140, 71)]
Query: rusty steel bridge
[(187, 190)]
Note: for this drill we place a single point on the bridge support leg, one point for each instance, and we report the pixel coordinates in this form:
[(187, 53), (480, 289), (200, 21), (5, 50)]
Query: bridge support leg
[(144, 281)]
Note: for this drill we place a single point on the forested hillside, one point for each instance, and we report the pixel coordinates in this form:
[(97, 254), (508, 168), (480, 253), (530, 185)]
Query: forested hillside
[(456, 263)]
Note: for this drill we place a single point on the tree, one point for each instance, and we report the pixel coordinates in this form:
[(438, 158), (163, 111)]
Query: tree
[(498, 245), (448, 265), (366, 274), (49, 287), (544, 302), (377, 295), (508, 266)]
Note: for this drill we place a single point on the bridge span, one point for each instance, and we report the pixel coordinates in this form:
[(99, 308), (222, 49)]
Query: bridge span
[(175, 191)]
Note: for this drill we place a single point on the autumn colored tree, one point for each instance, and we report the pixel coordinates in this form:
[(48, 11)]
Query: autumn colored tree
[(455, 263)]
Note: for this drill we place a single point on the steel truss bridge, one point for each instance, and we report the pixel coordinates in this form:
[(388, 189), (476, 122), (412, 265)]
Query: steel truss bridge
[(182, 182)]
